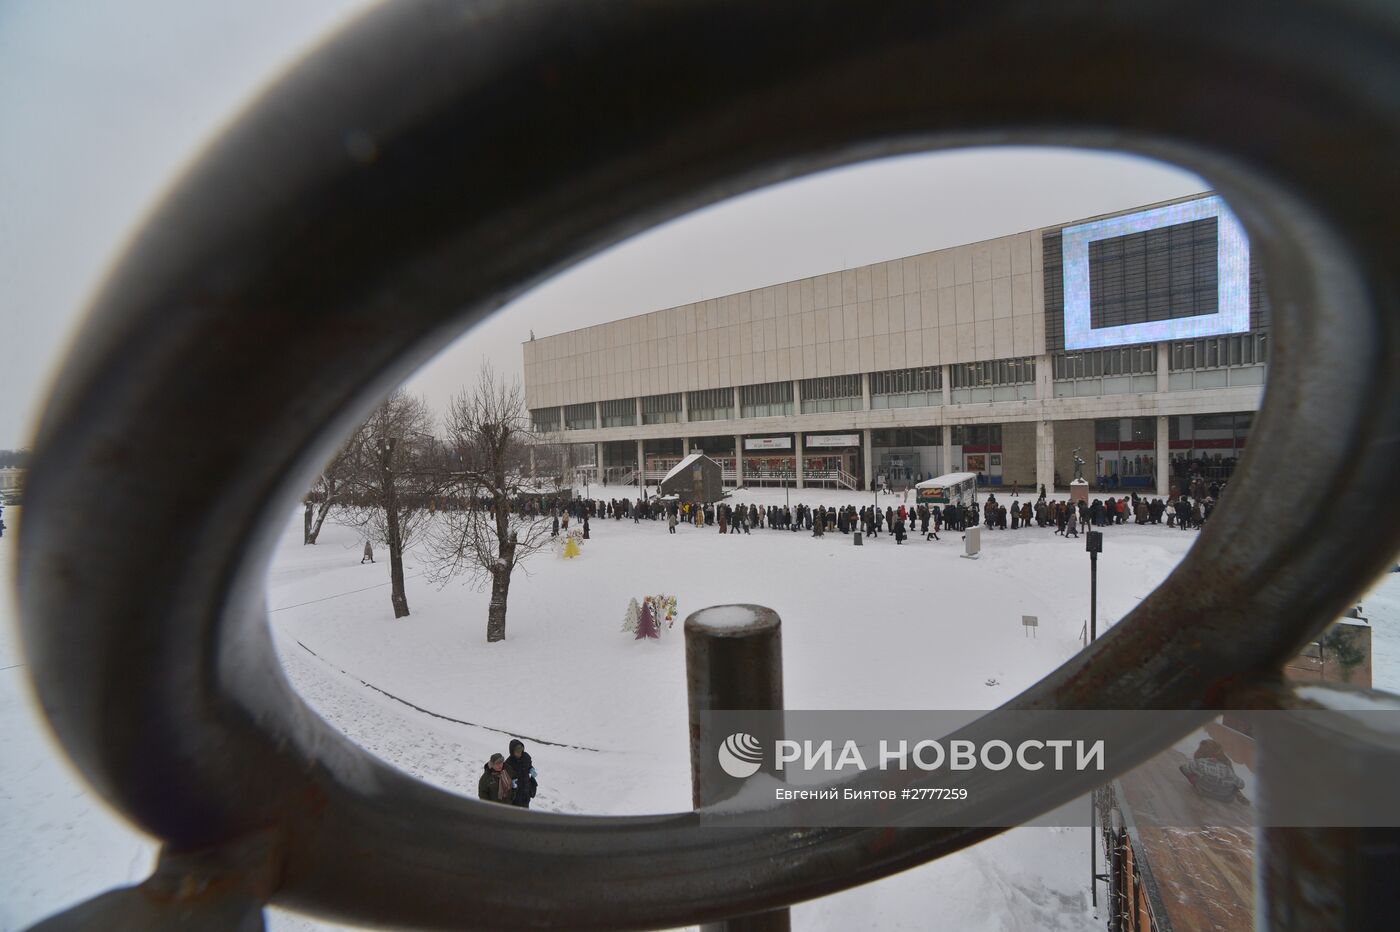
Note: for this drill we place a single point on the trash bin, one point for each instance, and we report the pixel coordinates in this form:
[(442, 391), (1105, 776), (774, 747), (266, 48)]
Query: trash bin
[(859, 540)]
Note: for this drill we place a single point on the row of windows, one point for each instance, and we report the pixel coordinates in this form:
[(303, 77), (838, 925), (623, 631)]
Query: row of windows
[(545, 420), (843, 392), (711, 404), (619, 413), (907, 381), (771, 399), (1244, 349), (971, 435), (1093, 364), (1110, 430), (993, 372), (661, 409), (833, 393), (580, 417)]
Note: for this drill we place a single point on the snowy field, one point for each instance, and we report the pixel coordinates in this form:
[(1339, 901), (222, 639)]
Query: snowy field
[(604, 716)]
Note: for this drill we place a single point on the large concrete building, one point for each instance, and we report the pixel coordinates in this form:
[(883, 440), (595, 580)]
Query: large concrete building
[(1139, 339)]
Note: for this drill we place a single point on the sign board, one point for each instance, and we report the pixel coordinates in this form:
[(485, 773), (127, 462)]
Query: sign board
[(767, 443), (835, 440), (1030, 623), (972, 542)]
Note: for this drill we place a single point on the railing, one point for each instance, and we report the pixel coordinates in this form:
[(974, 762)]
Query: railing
[(155, 664)]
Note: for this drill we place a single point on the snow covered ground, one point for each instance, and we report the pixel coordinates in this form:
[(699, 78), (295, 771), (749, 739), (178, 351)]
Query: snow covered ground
[(880, 626)]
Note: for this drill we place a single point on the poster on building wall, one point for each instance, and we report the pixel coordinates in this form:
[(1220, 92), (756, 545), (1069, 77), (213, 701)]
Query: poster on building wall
[(768, 443), (976, 462), (835, 440)]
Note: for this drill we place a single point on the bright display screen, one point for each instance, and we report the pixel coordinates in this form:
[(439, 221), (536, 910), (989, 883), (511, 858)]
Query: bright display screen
[(1230, 309)]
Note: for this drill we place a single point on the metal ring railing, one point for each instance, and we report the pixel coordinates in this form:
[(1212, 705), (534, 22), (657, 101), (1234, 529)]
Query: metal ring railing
[(435, 160)]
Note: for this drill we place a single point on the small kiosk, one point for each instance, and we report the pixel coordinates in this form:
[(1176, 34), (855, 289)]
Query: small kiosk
[(697, 478), (953, 488)]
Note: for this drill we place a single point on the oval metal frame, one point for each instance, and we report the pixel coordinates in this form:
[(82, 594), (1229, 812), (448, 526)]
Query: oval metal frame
[(435, 160)]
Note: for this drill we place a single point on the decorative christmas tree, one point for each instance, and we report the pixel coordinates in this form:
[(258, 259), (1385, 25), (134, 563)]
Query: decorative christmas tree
[(629, 621), (571, 548), (646, 624)]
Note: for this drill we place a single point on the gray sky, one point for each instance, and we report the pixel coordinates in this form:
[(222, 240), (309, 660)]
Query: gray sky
[(102, 103)]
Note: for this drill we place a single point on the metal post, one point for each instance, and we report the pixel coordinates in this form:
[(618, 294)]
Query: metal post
[(1093, 595), (1093, 542), (731, 666)]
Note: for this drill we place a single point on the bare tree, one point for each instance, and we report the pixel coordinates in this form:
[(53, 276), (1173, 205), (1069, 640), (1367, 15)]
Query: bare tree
[(328, 491), (489, 443), (392, 470)]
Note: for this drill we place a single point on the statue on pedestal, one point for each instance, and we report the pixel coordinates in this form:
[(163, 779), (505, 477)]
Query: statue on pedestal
[(1078, 465)]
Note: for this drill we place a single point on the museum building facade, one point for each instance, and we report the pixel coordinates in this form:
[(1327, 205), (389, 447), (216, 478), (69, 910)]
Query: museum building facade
[(1138, 338)]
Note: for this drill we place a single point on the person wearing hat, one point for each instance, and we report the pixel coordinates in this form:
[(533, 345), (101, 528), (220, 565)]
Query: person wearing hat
[(522, 774), (494, 785)]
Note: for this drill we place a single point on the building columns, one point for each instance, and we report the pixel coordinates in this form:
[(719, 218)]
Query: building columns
[(947, 435), (641, 464), (945, 374), (685, 407), (598, 464), (1044, 381), (797, 447), (1045, 455), (865, 398), (1164, 375), (1163, 463), (868, 472), (738, 461)]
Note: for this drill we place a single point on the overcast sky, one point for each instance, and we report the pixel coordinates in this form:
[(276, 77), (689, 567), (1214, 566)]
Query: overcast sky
[(102, 102)]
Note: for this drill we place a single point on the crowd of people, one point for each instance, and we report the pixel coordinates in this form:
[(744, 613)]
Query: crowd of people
[(1185, 511)]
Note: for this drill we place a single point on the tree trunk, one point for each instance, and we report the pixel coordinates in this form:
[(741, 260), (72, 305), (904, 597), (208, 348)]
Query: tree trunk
[(322, 510), (306, 535), (496, 612), (397, 595)]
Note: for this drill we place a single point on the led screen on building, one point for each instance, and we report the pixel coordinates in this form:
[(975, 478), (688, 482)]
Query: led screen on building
[(1172, 273)]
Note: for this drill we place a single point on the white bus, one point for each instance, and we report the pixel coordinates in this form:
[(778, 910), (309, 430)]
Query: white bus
[(955, 487)]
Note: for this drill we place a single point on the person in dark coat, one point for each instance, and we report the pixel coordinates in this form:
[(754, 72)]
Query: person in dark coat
[(494, 785), (522, 774), (898, 530)]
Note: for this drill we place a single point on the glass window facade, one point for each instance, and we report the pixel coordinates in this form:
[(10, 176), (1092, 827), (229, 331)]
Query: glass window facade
[(907, 388), (544, 420), (1245, 349), (580, 417), (992, 372), (712, 404), (771, 399), (661, 409), (836, 393), (619, 413), (1094, 364)]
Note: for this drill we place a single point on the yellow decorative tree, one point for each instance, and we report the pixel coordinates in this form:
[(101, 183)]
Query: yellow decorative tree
[(571, 548)]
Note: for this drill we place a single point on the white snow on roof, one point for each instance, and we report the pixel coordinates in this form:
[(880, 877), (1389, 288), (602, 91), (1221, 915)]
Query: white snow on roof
[(680, 467), (952, 478)]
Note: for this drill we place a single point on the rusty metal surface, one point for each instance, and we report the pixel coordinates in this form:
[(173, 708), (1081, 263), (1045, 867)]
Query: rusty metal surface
[(436, 159)]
